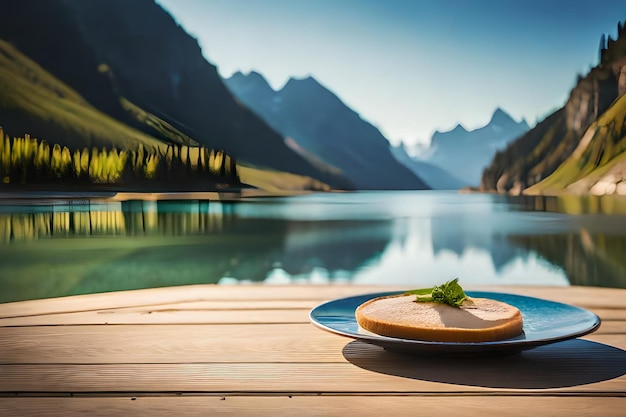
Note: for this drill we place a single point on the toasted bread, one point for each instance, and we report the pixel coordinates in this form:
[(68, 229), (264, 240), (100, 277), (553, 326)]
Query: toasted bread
[(476, 320)]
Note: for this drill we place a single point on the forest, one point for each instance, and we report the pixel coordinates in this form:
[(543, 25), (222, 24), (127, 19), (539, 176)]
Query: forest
[(28, 161)]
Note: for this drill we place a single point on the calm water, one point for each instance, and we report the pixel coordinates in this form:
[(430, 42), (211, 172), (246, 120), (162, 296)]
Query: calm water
[(415, 239)]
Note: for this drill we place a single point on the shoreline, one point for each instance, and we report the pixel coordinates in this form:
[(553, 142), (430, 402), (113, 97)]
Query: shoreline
[(87, 197)]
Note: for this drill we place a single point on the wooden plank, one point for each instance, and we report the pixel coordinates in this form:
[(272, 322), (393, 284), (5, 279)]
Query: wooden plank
[(304, 406), (228, 305), (180, 294), (612, 327), (610, 314), (576, 366), (195, 306), (616, 340), (589, 297), (162, 317), (218, 311), (183, 343), (169, 344)]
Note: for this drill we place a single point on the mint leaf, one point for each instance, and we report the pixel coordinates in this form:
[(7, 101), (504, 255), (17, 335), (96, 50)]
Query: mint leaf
[(449, 293)]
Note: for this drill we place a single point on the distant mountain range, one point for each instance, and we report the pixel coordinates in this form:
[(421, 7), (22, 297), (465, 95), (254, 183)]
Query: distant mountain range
[(465, 154), (321, 128), (435, 177), (580, 148)]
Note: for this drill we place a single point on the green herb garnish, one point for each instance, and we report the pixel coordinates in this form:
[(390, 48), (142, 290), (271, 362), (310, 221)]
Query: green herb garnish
[(449, 293)]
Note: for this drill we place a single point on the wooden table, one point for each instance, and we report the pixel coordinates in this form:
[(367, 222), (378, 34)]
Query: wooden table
[(250, 350)]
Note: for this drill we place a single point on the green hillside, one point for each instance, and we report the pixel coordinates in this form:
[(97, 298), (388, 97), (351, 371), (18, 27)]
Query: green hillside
[(34, 101), (601, 151)]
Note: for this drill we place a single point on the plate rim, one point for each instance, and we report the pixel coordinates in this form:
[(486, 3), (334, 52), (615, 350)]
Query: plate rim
[(513, 344)]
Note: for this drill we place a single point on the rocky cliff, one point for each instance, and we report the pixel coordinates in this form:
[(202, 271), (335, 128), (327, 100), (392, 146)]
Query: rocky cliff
[(592, 118)]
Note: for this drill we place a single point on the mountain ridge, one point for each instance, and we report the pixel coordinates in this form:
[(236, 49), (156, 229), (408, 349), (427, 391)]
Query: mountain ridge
[(465, 153), (316, 119)]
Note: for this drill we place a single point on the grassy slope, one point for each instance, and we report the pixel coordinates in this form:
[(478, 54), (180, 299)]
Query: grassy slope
[(275, 181), (28, 89), (604, 148), (160, 126), (35, 95)]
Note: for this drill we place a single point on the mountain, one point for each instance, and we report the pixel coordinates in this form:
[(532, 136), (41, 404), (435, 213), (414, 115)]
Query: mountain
[(128, 64), (465, 154), (318, 125), (434, 176), (580, 148)]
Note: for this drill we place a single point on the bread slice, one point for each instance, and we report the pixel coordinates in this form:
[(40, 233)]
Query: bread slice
[(477, 320)]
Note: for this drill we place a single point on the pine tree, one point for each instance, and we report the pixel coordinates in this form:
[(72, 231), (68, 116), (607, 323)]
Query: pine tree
[(66, 162), (602, 48), (151, 166), (94, 168), (56, 163), (5, 156), (84, 162), (76, 163)]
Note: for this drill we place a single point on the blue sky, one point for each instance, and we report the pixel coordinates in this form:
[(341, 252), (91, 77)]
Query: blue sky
[(411, 67)]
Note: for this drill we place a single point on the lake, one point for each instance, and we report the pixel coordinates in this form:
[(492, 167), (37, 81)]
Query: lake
[(416, 239)]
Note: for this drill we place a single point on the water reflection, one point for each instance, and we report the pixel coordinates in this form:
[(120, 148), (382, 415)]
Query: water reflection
[(132, 218), (94, 248), (588, 259), (458, 235), (591, 251), (572, 204), (413, 239)]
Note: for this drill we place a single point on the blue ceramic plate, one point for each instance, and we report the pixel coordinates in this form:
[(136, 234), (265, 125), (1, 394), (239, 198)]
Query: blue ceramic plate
[(544, 322)]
